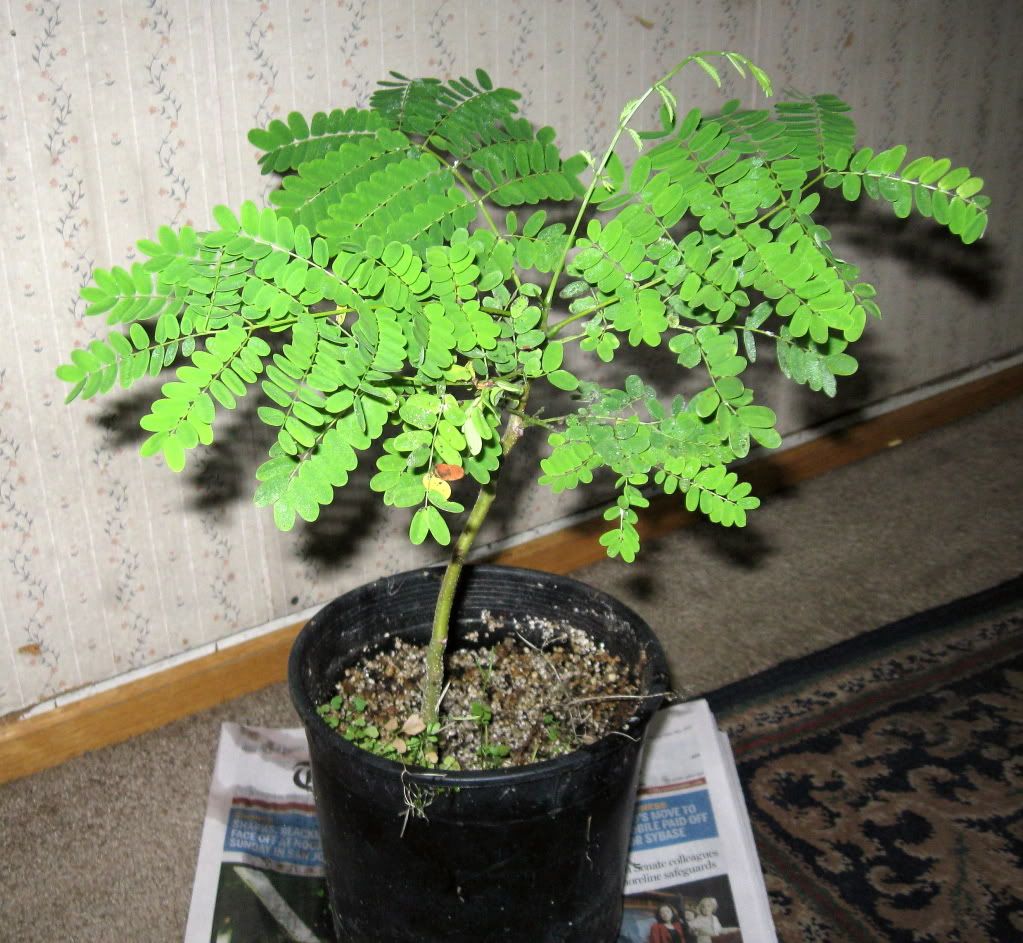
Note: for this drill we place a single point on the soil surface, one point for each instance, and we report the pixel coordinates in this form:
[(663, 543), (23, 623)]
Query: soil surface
[(507, 703)]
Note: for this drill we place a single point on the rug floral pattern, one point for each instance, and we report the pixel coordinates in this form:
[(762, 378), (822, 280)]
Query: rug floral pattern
[(885, 780)]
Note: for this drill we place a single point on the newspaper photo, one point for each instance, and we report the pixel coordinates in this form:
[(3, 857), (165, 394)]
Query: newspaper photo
[(693, 867), (693, 872)]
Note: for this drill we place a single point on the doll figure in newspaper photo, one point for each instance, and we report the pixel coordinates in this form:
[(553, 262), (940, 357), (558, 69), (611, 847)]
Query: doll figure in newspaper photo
[(668, 928), (705, 923)]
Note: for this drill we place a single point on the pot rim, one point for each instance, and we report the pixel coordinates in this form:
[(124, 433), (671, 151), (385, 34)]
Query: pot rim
[(582, 756)]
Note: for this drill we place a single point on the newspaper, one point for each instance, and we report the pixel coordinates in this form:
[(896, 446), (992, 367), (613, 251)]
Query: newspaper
[(693, 865)]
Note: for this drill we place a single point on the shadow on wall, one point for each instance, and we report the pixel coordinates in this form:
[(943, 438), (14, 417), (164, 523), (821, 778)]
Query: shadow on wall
[(223, 474), (923, 251), (346, 525), (923, 247)]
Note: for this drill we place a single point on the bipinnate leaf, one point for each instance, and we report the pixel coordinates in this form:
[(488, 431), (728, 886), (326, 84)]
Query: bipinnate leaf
[(399, 292)]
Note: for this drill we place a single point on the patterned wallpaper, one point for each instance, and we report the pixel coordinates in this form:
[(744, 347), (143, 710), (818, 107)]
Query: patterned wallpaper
[(117, 116)]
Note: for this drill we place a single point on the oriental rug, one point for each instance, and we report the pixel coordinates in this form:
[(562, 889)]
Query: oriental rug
[(884, 778)]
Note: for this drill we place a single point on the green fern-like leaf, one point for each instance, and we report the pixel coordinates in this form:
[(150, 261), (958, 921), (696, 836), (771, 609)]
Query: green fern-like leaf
[(718, 494), (299, 382), (434, 341), (320, 434), (476, 123), (414, 201), (526, 172), (780, 151), (932, 187), (814, 365), (288, 145), (299, 485), (455, 114), (542, 251), (570, 463), (119, 359), (808, 287), (622, 540), (182, 417), (259, 267), (820, 130), (127, 296), (692, 161), (618, 260), (610, 256), (307, 195)]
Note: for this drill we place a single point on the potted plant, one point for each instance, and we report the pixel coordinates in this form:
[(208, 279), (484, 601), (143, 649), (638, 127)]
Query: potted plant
[(403, 292)]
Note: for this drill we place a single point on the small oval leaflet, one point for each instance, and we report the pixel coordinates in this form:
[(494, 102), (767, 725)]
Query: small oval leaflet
[(447, 472)]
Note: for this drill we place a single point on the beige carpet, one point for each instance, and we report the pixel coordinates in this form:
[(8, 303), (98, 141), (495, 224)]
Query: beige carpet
[(924, 523)]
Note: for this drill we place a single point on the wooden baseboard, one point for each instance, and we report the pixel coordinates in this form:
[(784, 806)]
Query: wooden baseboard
[(31, 744)]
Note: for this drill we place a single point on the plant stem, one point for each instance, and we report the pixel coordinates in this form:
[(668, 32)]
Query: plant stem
[(598, 170), (434, 682)]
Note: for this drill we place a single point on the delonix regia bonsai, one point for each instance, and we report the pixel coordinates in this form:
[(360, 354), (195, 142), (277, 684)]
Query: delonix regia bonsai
[(404, 289)]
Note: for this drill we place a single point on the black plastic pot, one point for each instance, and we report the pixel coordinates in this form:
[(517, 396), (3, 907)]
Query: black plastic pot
[(534, 854)]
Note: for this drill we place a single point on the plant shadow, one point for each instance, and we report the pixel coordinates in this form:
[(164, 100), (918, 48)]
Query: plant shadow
[(743, 550), (120, 415), (336, 537), (923, 247), (222, 475)]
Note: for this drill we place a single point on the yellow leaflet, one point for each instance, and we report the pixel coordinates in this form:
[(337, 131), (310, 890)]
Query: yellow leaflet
[(432, 482)]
